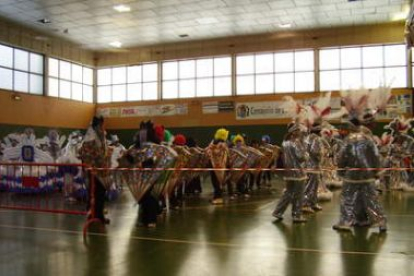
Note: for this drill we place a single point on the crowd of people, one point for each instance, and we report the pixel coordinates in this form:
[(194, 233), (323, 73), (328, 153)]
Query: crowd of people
[(314, 157)]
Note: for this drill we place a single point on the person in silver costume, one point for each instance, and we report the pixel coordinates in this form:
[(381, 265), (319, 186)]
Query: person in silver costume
[(314, 148), (401, 151), (359, 199), (294, 157)]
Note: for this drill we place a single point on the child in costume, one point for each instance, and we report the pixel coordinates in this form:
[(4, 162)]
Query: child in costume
[(217, 153)]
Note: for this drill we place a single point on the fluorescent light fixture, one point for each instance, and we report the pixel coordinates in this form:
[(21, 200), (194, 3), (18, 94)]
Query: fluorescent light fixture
[(122, 8), (207, 20), (116, 44), (402, 15), (285, 25)]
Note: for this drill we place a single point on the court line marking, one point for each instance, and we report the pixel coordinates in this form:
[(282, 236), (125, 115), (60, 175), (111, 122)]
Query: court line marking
[(204, 243)]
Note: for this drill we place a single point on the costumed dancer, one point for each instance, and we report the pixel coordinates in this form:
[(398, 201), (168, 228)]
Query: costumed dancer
[(117, 150), (331, 135), (359, 199), (315, 148), (176, 180), (194, 184), (73, 181), (383, 144), (294, 160), (401, 151), (94, 154), (217, 152), (237, 159), (147, 186)]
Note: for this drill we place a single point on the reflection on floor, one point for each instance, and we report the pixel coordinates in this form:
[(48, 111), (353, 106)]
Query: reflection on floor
[(239, 238)]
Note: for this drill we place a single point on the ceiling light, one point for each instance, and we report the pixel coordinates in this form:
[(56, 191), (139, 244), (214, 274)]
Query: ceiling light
[(183, 35), (122, 8), (402, 15), (285, 25), (44, 21), (116, 44), (207, 20)]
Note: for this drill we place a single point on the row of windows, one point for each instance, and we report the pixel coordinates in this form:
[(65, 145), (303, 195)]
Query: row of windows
[(260, 73)]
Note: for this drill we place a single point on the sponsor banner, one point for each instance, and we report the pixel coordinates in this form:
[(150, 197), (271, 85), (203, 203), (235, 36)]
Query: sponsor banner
[(144, 111), (217, 107), (260, 110)]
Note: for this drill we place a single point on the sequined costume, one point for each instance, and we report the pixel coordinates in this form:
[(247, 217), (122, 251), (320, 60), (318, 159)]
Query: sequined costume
[(357, 163), (359, 199), (314, 148), (294, 158)]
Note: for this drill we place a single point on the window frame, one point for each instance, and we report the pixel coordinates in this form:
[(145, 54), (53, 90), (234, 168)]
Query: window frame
[(212, 79), (29, 71), (70, 80), (291, 72), (361, 68)]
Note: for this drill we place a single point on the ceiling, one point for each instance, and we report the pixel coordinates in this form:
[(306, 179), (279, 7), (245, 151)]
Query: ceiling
[(94, 23)]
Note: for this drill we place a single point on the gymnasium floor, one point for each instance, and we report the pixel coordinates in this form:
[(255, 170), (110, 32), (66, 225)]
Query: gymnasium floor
[(235, 239)]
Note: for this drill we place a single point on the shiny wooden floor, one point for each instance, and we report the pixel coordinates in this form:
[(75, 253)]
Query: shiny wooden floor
[(239, 238)]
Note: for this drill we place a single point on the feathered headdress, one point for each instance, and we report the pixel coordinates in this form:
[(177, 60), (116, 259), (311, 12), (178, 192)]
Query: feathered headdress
[(318, 111), (361, 105), (296, 111), (399, 125)]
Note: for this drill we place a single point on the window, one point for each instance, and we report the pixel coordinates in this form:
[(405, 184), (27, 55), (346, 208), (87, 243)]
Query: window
[(21, 70), (128, 83), (69, 80), (367, 66), (279, 72), (205, 77)]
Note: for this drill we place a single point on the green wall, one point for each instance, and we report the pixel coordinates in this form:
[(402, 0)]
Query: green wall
[(204, 135)]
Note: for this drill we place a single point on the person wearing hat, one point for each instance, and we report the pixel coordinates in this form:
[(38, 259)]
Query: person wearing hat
[(217, 152), (294, 158), (359, 155)]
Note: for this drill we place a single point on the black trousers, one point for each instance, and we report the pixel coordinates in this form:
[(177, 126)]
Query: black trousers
[(148, 209), (99, 194)]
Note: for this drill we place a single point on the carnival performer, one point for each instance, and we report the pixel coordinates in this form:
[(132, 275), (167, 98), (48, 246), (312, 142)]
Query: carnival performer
[(194, 184), (359, 199), (147, 187), (217, 152), (383, 144), (94, 154), (401, 151), (315, 148), (237, 181), (176, 182), (72, 179), (334, 144), (294, 159)]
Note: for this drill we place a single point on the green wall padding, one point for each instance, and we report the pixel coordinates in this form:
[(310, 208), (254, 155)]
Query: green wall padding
[(204, 135)]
